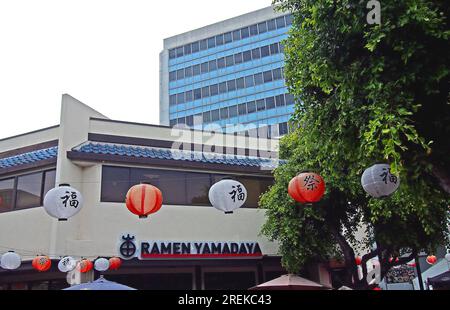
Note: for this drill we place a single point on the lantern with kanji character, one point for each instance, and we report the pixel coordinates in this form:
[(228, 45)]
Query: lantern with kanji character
[(378, 181), (63, 202), (431, 259), (67, 264), (306, 187), (101, 264), (114, 263), (227, 195), (144, 199), (41, 263), (85, 265), (10, 260)]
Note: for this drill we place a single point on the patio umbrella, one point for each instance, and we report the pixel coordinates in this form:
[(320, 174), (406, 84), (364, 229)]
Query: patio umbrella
[(100, 284), (290, 282)]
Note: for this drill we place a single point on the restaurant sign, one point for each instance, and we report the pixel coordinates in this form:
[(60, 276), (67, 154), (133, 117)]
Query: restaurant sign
[(130, 248)]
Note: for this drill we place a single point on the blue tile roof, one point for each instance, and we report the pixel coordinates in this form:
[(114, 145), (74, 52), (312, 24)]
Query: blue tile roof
[(29, 157), (168, 154)]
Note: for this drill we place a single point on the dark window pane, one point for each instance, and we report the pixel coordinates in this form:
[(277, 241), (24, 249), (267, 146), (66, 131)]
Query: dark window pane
[(180, 74), (262, 27), (223, 87), (187, 49), (214, 89), (215, 115), (172, 76), (236, 35), (197, 93), (265, 51), (255, 187), (221, 63), (229, 60), (280, 22), (196, 70), (181, 120), (180, 51), (281, 47), (240, 84), (274, 49), (212, 42), (277, 74), (232, 111), (279, 100), (49, 182), (267, 76), (6, 194), (205, 92), (271, 25), (188, 72), (289, 99), (227, 37), (172, 122), (203, 45), (195, 47), (212, 65), (197, 188), (204, 67), (261, 104), (288, 19), (247, 56), (224, 113), (270, 103), (190, 120), (172, 54), (253, 30), (231, 85), (238, 58), (242, 109), (180, 98), (258, 78), (206, 117), (245, 33), (115, 183), (251, 107), (282, 128), (256, 53), (219, 39), (189, 96), (249, 81), (173, 99)]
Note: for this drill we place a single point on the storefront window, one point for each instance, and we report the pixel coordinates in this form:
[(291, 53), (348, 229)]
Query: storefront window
[(6, 194), (29, 191)]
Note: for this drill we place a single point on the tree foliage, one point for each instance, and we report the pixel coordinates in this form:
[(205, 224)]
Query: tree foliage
[(365, 94)]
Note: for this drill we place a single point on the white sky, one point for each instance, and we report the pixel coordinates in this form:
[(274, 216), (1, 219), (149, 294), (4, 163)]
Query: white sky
[(105, 53)]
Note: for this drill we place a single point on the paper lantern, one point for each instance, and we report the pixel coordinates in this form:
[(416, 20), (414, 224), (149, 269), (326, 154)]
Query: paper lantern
[(447, 257), (41, 263), (114, 263), (67, 264), (10, 260), (431, 259), (378, 181), (144, 199), (358, 260), (63, 202), (85, 265), (377, 288), (306, 187), (227, 195), (101, 264)]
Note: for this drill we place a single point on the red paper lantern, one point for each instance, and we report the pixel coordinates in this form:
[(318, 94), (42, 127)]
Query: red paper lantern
[(431, 259), (86, 265), (307, 187), (358, 260), (144, 199), (377, 288), (41, 263), (114, 263)]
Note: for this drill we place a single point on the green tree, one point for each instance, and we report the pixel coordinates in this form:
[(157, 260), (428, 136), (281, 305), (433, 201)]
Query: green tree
[(365, 94)]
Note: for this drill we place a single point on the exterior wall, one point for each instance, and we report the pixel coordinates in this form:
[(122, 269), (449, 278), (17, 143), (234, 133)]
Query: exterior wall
[(24, 140)]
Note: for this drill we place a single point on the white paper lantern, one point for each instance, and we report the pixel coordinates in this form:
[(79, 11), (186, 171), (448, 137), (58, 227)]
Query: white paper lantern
[(378, 181), (63, 202), (227, 195), (67, 264), (447, 257), (10, 261), (101, 264)]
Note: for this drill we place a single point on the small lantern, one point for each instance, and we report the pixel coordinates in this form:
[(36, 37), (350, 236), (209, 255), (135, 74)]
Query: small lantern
[(41, 263), (63, 202), (227, 195), (114, 263), (67, 264), (378, 181), (431, 259), (101, 264), (306, 187), (85, 265), (10, 260), (144, 199), (358, 260)]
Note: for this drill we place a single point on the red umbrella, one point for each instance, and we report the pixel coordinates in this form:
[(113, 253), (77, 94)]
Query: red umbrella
[(290, 282)]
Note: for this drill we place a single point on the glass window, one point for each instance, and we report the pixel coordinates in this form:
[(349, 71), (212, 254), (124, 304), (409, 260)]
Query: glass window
[(261, 104), (205, 92), (270, 103), (245, 33), (6, 194), (254, 30), (219, 39), (190, 120), (115, 183), (212, 65), (180, 74), (231, 85), (242, 109), (49, 181), (212, 42), (196, 70), (203, 45), (236, 35), (251, 107), (197, 188), (255, 187), (277, 74), (279, 100), (274, 49), (281, 47), (187, 49), (282, 129), (258, 78), (173, 122), (265, 51), (262, 27), (188, 72), (195, 47), (206, 117), (256, 53), (288, 19), (267, 76), (197, 93), (221, 63), (172, 76), (180, 98), (214, 89), (181, 120), (172, 54), (249, 81), (289, 99), (173, 99), (229, 60), (280, 22), (204, 67), (247, 56), (224, 113), (222, 87), (180, 51), (271, 25), (227, 37), (240, 83), (215, 115), (189, 96), (238, 58), (232, 111)]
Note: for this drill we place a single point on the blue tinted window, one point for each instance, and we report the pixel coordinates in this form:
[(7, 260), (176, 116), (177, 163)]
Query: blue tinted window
[(270, 103), (277, 74), (197, 93), (251, 107), (172, 76), (187, 49), (267, 76), (224, 113), (204, 67), (247, 55), (180, 74), (214, 89), (238, 58), (212, 65), (179, 51), (195, 47), (262, 27), (240, 84), (219, 39), (282, 128), (181, 120), (215, 115), (206, 117), (265, 51), (249, 81), (242, 109), (172, 54), (173, 99), (256, 53), (221, 63), (288, 19), (254, 30), (274, 49), (227, 37), (203, 45), (231, 85), (232, 111), (180, 98), (289, 99), (212, 42), (222, 87), (236, 35), (229, 60), (280, 22), (261, 104), (188, 72), (173, 122), (258, 78), (271, 25), (196, 70), (190, 120), (279, 100), (205, 92), (189, 96), (245, 33)]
